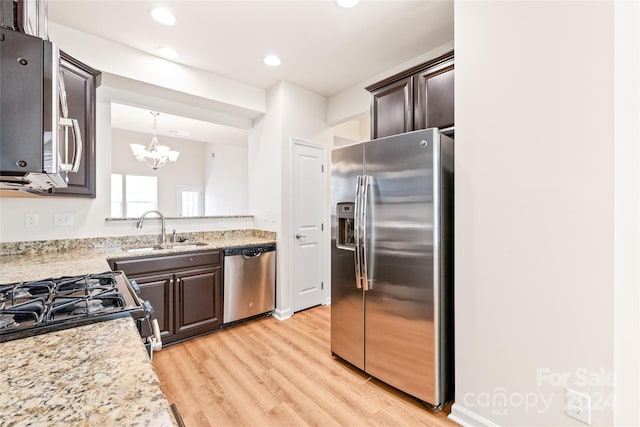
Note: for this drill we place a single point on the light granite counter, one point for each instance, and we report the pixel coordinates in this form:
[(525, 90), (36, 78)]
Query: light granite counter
[(94, 375), (23, 261)]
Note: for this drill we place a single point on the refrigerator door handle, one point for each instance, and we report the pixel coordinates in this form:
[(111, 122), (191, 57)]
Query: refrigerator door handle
[(366, 180), (356, 232)]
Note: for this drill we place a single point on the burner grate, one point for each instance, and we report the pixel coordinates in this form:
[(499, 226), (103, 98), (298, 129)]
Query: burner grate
[(68, 301)]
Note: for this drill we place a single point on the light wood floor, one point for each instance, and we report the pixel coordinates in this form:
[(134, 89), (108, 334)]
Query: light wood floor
[(280, 373)]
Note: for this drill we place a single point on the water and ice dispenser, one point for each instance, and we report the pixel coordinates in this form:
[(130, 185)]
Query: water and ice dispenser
[(345, 236)]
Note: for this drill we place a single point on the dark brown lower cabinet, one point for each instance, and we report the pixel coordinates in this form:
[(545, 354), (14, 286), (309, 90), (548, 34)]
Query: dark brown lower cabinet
[(158, 290), (198, 305), (185, 290)]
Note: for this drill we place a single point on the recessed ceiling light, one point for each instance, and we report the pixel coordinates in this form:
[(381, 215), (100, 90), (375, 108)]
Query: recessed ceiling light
[(169, 53), (347, 3), (163, 16), (272, 60)]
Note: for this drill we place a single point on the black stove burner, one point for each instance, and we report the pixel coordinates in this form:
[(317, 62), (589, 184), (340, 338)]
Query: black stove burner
[(26, 290), (87, 306), (30, 308), (7, 321)]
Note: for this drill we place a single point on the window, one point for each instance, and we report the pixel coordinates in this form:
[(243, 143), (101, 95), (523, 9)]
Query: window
[(132, 195), (189, 200)]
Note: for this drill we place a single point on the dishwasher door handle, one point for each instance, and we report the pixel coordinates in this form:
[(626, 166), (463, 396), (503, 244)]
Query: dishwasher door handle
[(252, 255)]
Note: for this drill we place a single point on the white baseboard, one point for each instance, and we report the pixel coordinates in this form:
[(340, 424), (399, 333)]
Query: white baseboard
[(282, 314), (468, 418)]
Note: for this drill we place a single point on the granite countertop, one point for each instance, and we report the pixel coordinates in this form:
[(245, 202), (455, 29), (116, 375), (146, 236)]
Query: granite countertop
[(91, 375), (25, 261), (94, 375)]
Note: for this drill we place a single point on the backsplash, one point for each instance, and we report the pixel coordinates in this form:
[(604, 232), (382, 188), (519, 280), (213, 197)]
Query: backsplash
[(63, 245)]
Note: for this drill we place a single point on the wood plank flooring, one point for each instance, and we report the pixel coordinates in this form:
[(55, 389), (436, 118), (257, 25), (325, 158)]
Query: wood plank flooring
[(280, 373)]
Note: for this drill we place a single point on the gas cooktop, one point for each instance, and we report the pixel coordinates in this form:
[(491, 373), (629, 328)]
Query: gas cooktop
[(32, 308)]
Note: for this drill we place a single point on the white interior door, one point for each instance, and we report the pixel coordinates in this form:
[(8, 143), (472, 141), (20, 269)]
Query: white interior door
[(308, 214)]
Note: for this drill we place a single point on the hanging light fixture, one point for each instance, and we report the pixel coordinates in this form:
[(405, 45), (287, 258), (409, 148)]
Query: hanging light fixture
[(154, 154)]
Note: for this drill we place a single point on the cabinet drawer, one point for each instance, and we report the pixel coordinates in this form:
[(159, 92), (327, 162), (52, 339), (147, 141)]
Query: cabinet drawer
[(155, 264)]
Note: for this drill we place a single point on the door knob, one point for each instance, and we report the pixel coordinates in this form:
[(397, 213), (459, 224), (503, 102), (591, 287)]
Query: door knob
[(299, 236)]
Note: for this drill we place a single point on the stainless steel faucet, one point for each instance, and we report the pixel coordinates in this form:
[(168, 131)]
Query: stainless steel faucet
[(163, 235)]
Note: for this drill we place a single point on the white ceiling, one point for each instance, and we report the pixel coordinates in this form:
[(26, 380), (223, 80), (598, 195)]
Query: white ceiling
[(323, 48), (140, 120)]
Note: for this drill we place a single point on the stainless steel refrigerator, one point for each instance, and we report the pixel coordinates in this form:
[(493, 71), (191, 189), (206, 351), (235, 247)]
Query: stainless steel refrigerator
[(392, 261)]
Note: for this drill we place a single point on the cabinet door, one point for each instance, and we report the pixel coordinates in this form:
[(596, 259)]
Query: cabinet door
[(199, 301), (392, 109), (158, 290), (80, 83), (434, 97)]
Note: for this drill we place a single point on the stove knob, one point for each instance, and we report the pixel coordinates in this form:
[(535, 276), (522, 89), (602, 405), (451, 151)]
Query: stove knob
[(148, 308), (135, 286)]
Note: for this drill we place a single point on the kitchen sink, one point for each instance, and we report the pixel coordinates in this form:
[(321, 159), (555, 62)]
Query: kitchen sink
[(186, 244), (177, 245)]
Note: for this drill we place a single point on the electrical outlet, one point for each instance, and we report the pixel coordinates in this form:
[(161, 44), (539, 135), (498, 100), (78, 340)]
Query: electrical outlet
[(578, 405), (62, 219), (30, 220)]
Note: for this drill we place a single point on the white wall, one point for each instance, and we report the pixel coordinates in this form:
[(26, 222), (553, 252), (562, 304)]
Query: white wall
[(264, 147), (189, 169), (534, 210), (292, 112), (220, 169), (355, 101), (90, 214), (304, 119), (226, 179), (627, 214), (223, 94)]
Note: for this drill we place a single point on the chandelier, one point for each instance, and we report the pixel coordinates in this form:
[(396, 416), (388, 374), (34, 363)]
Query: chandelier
[(154, 154)]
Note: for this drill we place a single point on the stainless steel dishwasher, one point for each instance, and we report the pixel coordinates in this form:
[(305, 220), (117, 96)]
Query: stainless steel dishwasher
[(249, 281)]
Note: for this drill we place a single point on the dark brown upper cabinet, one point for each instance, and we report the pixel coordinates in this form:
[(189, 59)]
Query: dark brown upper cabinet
[(81, 82), (434, 97), (418, 98), (392, 107)]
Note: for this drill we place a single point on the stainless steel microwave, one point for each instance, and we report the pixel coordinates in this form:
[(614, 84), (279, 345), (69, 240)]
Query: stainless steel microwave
[(34, 125)]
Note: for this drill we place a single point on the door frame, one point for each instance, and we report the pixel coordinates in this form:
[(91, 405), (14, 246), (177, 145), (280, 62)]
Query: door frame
[(326, 294)]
